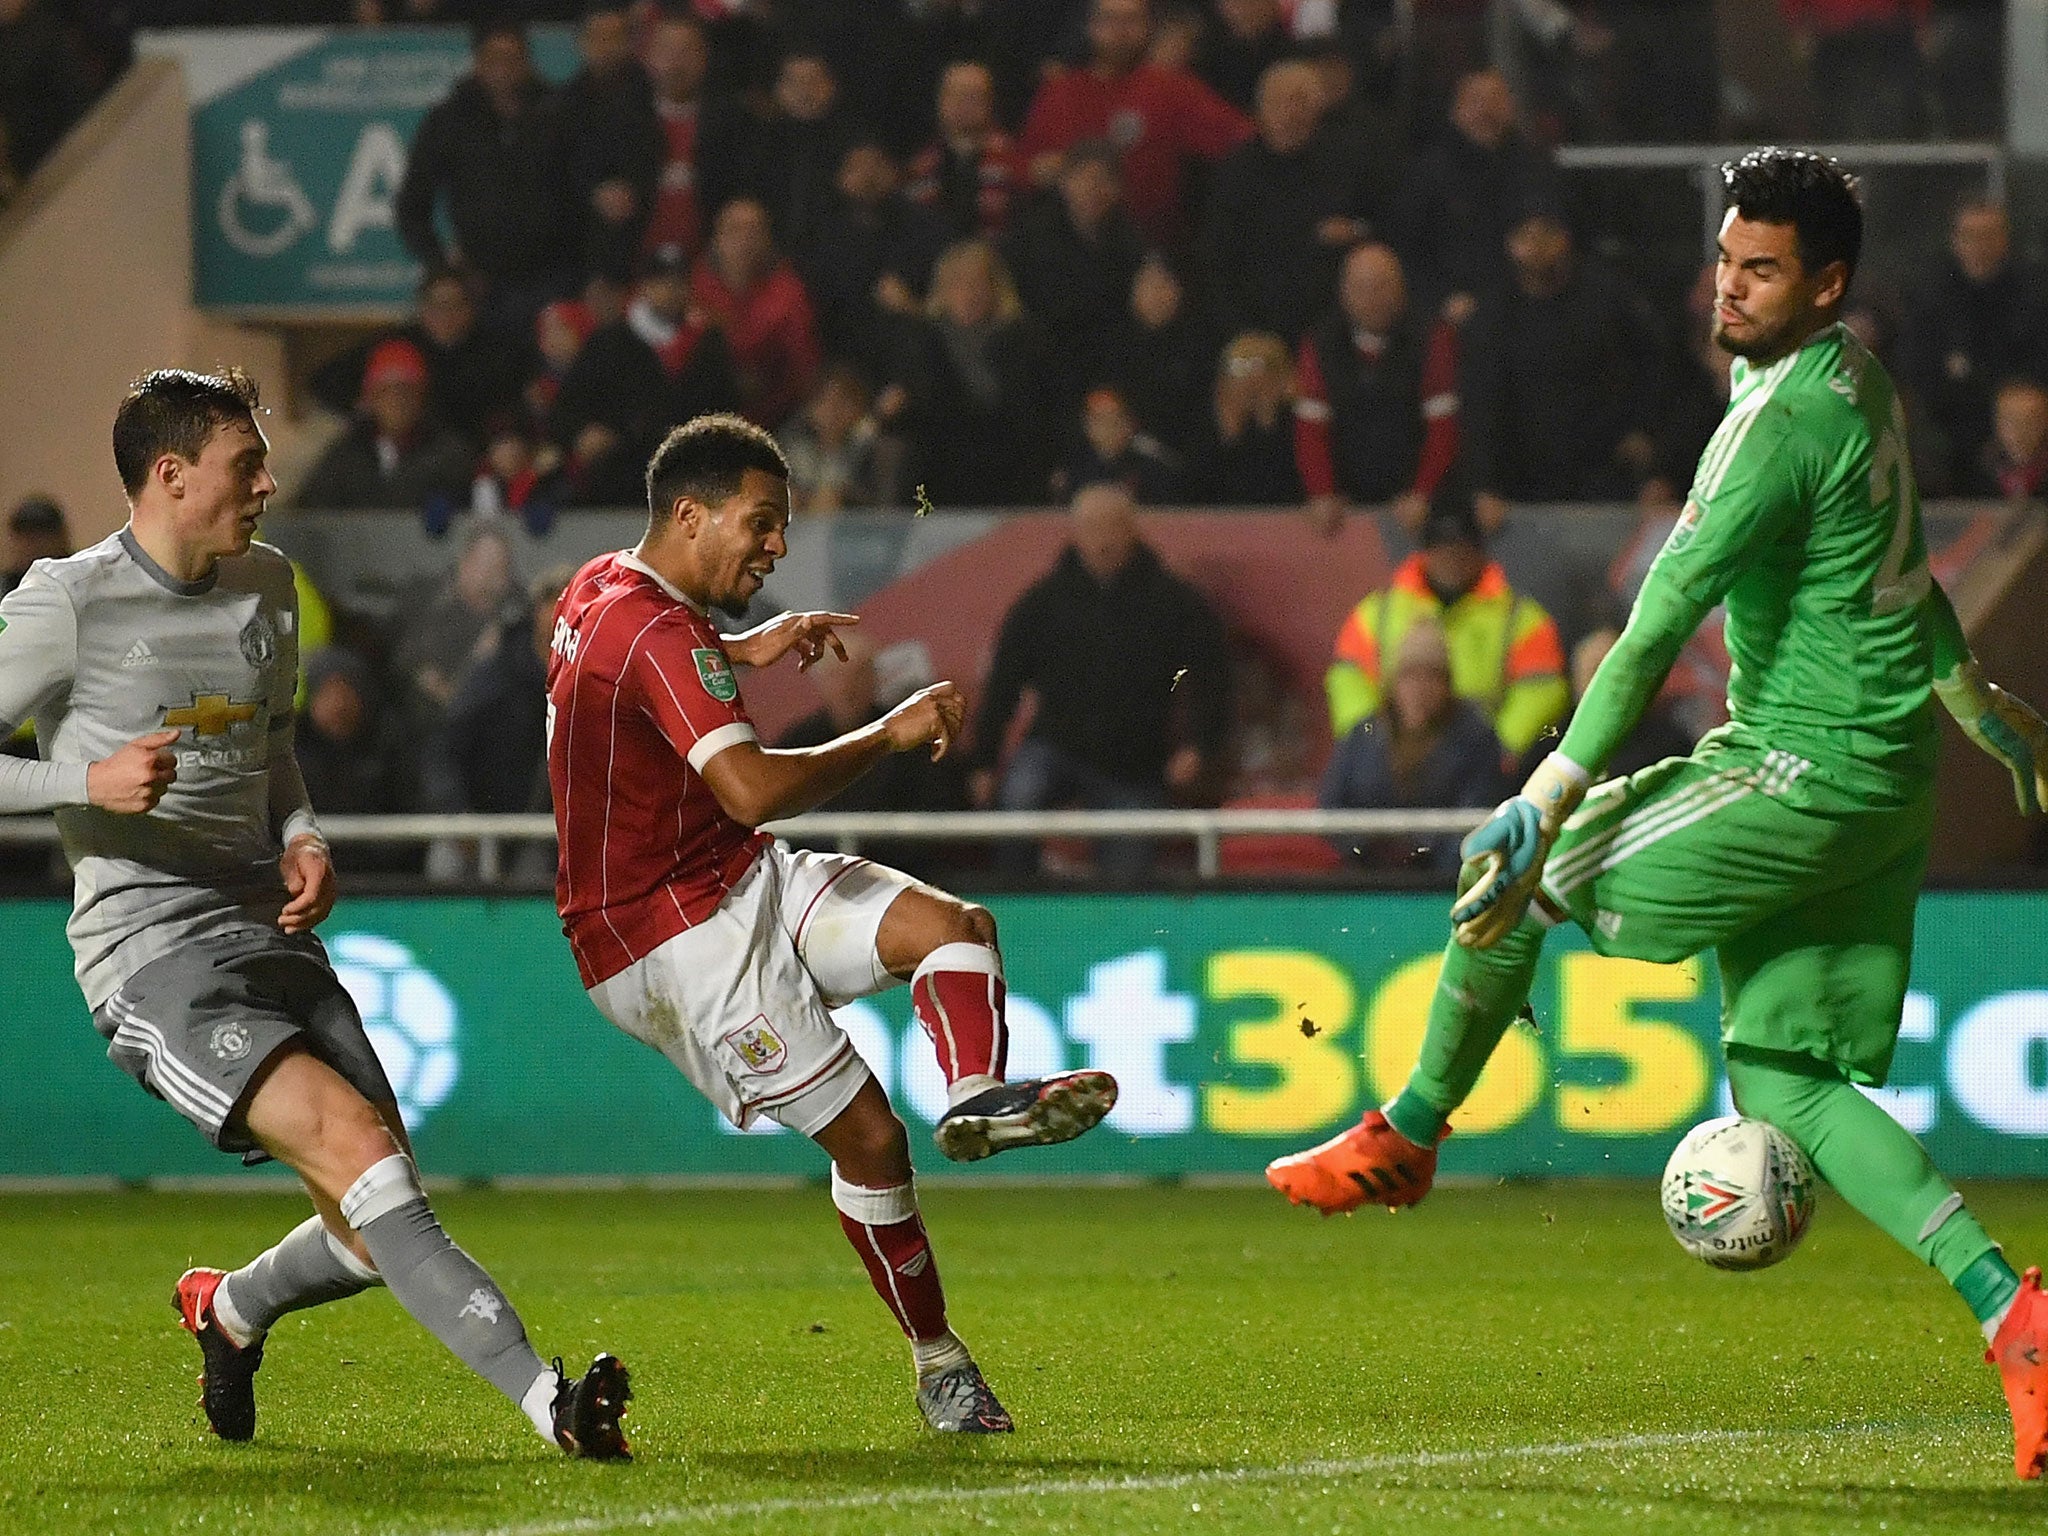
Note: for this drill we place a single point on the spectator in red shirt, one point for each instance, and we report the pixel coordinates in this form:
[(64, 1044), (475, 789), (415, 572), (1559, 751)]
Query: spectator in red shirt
[(971, 174), (1376, 413), (755, 296), (1158, 118), (677, 58)]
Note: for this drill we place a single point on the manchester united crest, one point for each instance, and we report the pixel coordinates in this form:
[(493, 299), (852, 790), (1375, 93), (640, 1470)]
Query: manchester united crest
[(259, 642)]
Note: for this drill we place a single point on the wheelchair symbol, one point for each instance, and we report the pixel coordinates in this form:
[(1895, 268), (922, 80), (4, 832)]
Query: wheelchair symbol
[(268, 187)]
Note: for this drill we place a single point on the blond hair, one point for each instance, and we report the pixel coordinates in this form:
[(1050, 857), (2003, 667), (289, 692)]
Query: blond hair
[(1007, 305)]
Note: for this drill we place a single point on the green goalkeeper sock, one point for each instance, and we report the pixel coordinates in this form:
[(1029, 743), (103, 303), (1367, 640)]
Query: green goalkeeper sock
[(1478, 994), (1874, 1163)]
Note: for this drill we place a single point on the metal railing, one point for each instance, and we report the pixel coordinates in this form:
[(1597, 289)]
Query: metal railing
[(1703, 160), (849, 830)]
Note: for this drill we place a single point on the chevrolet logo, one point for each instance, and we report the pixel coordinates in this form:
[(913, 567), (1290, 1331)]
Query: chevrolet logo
[(210, 715)]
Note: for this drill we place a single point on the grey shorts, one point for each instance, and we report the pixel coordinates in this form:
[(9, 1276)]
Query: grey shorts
[(196, 1027)]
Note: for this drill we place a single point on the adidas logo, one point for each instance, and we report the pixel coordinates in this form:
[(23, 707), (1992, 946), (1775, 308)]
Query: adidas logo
[(139, 655)]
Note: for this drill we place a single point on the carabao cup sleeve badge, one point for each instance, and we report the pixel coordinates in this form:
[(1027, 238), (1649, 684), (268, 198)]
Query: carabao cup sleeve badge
[(715, 673)]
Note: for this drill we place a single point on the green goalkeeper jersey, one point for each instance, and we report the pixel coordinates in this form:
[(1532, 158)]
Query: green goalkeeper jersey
[(1804, 519)]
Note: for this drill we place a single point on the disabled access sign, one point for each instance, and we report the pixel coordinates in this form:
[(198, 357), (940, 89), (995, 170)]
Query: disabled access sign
[(299, 140)]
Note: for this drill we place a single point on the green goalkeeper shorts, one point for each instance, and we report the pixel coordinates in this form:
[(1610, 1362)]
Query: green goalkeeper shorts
[(1811, 911)]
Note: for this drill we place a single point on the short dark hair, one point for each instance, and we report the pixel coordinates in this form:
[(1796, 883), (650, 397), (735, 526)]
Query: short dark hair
[(1813, 193), (705, 459), (173, 410), (1453, 515)]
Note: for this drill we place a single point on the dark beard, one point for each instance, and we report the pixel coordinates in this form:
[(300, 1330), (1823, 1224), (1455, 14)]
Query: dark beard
[(1766, 344), (733, 607)]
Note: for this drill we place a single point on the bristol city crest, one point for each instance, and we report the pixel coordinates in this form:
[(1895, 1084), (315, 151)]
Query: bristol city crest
[(757, 1045)]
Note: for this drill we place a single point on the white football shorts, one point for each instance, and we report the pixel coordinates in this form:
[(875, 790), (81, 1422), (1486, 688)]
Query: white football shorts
[(743, 1002)]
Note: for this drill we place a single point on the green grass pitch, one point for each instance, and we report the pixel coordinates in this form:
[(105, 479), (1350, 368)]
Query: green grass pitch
[(1511, 1358)]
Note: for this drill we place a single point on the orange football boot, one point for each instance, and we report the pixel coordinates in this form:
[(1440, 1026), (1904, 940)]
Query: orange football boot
[(2020, 1351), (1370, 1164)]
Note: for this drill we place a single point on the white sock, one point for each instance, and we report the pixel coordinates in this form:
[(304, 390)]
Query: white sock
[(229, 1321), (539, 1403), (932, 1356), (1990, 1324), (967, 1087)]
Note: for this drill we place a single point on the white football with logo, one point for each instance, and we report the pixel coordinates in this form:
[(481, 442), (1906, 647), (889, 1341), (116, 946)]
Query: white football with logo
[(1738, 1193)]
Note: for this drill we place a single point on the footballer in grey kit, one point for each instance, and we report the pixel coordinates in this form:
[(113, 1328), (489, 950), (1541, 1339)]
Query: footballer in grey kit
[(159, 668), (107, 647)]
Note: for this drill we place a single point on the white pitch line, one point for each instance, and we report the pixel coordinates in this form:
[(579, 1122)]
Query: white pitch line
[(1301, 1471)]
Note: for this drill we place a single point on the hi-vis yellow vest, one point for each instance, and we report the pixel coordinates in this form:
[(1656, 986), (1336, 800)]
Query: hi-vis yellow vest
[(1505, 653)]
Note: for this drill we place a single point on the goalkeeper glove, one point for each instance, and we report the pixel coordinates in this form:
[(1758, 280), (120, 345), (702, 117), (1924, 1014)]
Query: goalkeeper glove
[(1504, 854), (2003, 726)]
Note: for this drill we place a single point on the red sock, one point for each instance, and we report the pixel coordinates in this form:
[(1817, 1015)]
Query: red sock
[(957, 995), (886, 1231)]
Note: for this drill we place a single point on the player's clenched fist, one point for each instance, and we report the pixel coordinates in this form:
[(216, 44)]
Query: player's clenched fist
[(133, 778), (929, 715), (308, 870)]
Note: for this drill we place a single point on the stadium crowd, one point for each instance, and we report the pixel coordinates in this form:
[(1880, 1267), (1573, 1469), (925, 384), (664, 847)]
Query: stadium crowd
[(1000, 253)]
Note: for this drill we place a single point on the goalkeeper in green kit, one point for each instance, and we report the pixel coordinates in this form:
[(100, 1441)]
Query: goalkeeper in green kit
[(1792, 841)]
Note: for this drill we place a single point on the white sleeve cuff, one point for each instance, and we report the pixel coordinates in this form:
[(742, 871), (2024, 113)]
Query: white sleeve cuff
[(300, 824), (711, 743), (1570, 771)]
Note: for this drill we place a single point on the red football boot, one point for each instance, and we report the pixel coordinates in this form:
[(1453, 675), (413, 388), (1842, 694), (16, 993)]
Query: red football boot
[(2020, 1351), (1370, 1164), (227, 1385)]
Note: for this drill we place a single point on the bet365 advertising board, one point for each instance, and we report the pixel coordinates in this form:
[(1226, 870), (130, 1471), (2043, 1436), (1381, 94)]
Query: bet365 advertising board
[(1240, 1026)]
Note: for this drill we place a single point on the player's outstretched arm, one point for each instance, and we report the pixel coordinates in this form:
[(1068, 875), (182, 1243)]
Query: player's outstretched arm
[(810, 635), (754, 784), (2001, 725)]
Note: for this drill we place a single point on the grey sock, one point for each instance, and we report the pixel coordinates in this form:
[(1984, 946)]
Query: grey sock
[(450, 1296), (306, 1268)]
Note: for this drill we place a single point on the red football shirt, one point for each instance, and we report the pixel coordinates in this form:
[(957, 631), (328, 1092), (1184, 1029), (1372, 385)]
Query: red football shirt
[(640, 696), (677, 219), (1157, 118)]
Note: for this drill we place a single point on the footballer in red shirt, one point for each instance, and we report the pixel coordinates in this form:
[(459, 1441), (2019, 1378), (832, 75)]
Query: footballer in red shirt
[(701, 936)]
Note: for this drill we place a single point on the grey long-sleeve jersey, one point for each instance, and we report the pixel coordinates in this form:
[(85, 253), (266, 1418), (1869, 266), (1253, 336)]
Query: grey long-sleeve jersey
[(106, 646)]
